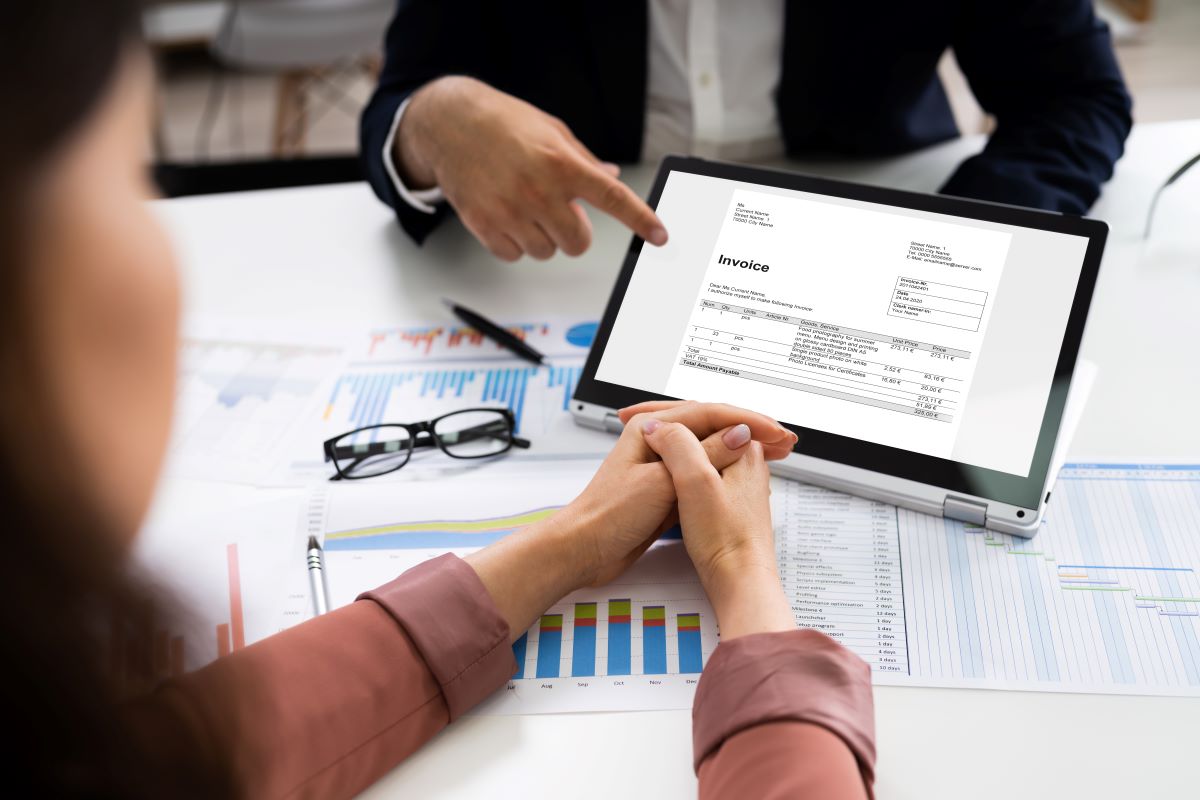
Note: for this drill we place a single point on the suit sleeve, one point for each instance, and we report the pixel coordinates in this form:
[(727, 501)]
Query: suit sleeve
[(426, 40), (326, 708), (1047, 71), (785, 714)]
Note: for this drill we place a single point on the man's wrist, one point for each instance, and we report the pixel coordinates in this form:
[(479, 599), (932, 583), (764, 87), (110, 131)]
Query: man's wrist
[(410, 150)]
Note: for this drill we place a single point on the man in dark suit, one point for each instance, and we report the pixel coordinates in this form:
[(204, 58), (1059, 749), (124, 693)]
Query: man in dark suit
[(510, 113)]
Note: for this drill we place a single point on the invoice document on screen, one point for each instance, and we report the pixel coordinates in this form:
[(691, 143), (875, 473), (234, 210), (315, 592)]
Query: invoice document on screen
[(926, 332), (810, 311)]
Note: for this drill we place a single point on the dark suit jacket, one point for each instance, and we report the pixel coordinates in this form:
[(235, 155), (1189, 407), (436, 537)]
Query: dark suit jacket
[(858, 78)]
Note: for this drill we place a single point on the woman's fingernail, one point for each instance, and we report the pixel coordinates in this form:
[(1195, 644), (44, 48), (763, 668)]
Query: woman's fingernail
[(651, 425), (658, 237), (736, 436)]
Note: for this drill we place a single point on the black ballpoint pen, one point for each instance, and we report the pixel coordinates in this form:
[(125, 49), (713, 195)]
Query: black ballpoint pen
[(494, 332)]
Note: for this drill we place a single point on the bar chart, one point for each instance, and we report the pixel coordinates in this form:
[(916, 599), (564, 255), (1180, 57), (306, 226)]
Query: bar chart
[(597, 639), (231, 635), (1105, 598), (372, 396), (691, 654), (240, 402), (619, 636), (440, 341), (654, 640), (640, 642), (583, 654), (231, 572), (549, 649)]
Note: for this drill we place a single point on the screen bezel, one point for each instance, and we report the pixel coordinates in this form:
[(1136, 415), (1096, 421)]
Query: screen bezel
[(1022, 492)]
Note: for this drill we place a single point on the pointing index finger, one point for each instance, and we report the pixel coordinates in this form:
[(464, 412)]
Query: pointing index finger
[(614, 198)]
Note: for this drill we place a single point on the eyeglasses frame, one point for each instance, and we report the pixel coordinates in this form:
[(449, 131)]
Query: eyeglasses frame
[(415, 440)]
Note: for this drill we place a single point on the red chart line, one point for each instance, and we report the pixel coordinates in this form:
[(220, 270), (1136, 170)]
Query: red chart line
[(236, 622)]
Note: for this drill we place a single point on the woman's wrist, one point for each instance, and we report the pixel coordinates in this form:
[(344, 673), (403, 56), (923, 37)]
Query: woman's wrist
[(566, 538), (748, 597), (532, 569)]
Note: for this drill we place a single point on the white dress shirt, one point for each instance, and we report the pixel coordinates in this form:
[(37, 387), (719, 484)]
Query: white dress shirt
[(714, 66)]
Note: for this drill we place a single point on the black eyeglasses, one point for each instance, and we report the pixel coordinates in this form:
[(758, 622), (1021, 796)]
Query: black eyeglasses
[(380, 449)]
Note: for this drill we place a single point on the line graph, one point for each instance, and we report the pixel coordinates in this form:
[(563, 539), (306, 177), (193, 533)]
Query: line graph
[(433, 534), (640, 641), (1103, 599)]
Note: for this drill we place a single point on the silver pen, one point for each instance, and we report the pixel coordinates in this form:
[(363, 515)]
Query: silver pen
[(318, 584)]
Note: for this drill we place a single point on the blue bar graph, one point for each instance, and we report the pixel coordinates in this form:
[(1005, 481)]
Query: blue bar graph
[(549, 646), (365, 397), (583, 650), (520, 646), (654, 640), (618, 637), (691, 660)]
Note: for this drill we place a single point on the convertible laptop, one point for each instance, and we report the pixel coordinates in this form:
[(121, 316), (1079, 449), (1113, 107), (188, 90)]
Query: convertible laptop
[(921, 346)]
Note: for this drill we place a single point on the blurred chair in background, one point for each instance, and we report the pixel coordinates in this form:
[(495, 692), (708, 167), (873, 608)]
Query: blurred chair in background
[(309, 43), (1138, 10), (315, 47)]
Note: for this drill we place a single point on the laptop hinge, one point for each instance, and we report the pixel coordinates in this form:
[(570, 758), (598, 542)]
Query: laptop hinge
[(612, 423), (965, 510)]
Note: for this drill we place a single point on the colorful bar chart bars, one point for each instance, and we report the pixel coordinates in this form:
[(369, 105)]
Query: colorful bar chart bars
[(583, 651), (584, 637), (550, 645), (231, 636), (237, 626), (520, 647), (654, 640), (690, 658), (618, 637)]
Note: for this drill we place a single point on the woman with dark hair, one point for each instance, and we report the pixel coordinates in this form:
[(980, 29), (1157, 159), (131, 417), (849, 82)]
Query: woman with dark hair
[(88, 309)]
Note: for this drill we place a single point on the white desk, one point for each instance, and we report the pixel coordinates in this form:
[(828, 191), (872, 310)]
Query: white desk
[(334, 253)]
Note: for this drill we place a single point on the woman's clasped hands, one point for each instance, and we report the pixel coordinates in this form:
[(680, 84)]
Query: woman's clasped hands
[(700, 464)]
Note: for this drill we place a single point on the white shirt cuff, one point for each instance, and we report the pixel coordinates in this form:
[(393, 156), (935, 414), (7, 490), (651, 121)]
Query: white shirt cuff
[(420, 199)]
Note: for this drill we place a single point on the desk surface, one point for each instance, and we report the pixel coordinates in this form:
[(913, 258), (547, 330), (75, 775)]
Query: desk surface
[(333, 253)]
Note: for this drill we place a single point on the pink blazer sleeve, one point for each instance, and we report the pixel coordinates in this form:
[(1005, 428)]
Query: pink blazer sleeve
[(326, 708), (784, 715)]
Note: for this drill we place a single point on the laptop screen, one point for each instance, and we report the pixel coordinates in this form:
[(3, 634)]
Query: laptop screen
[(921, 331)]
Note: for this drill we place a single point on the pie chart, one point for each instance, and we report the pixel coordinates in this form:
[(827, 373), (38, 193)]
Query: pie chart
[(581, 335)]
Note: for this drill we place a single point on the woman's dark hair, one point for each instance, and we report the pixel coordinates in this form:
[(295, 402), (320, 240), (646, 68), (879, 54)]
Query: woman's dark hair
[(76, 628)]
